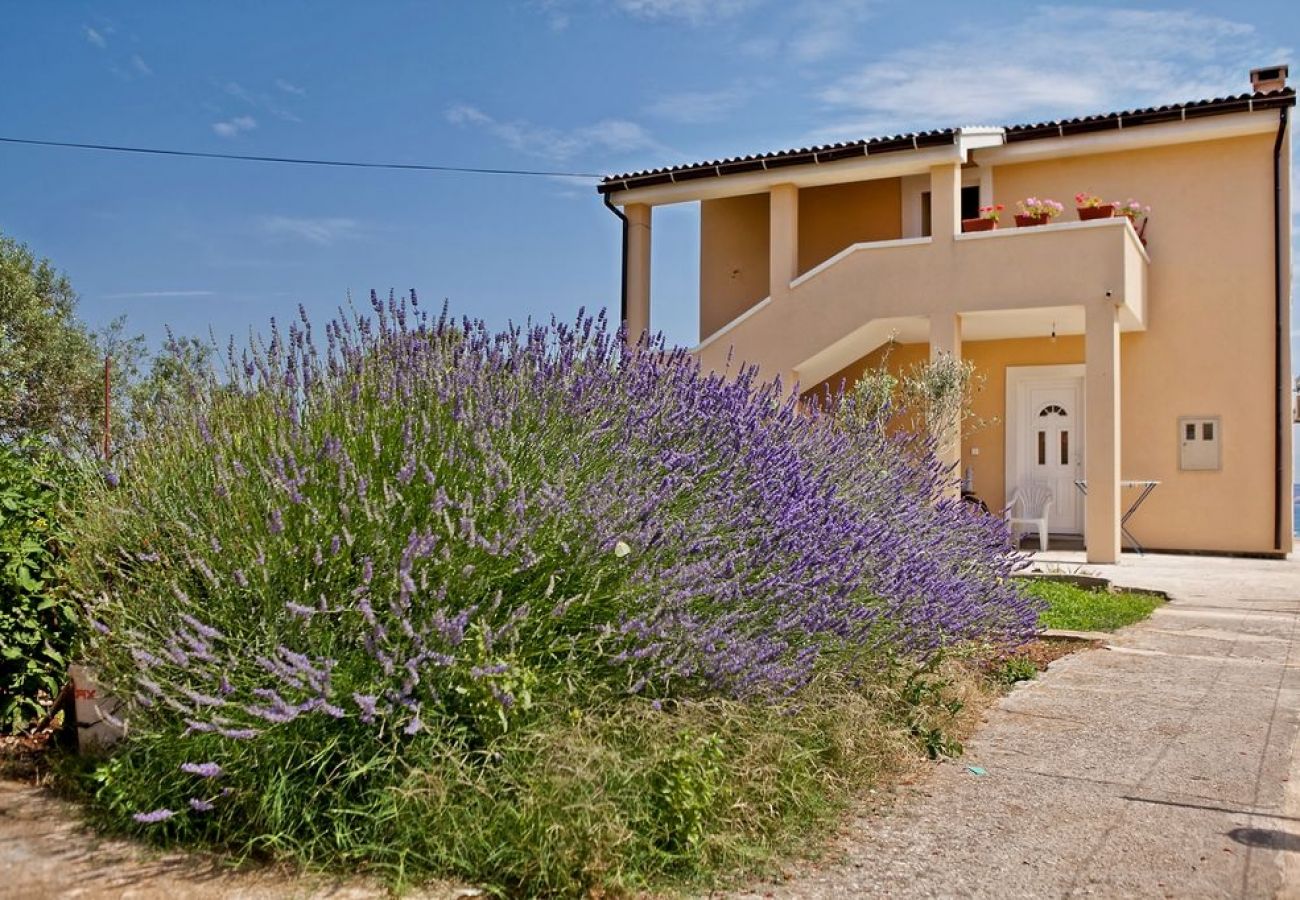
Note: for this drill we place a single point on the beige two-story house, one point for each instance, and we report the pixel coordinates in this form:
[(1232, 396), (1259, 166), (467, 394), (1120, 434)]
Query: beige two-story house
[(1121, 359)]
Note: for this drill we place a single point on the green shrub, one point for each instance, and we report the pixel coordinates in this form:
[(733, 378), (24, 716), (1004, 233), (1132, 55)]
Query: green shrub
[(532, 609), (1015, 669), (37, 619)]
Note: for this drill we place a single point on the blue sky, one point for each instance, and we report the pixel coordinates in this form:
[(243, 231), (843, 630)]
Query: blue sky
[(573, 85)]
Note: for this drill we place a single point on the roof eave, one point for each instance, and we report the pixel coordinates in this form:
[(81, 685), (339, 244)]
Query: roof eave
[(964, 139)]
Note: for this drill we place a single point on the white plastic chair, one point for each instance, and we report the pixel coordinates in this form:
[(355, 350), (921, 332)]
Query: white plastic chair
[(1030, 508)]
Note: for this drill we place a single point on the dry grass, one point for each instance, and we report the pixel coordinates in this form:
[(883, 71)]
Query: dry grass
[(623, 798)]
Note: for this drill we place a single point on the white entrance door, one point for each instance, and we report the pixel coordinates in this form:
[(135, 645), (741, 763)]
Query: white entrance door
[(1049, 433)]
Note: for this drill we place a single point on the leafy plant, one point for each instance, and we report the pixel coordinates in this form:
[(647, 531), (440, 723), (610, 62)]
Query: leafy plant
[(1015, 669), (1039, 206), (929, 711), (687, 789), (929, 401), (38, 620), (1133, 209)]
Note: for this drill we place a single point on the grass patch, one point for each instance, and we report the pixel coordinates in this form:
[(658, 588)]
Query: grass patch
[(622, 797), (1072, 608)]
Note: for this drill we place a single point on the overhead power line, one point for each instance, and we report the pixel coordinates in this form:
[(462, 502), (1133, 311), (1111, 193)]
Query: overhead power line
[(288, 160)]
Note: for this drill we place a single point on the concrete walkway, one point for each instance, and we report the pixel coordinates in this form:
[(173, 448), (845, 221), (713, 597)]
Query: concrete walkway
[(1163, 765)]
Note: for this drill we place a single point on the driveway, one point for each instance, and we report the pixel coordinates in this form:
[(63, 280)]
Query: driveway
[(1162, 765)]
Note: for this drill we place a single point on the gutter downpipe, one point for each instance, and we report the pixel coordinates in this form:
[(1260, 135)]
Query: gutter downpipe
[(1282, 387), (622, 307)]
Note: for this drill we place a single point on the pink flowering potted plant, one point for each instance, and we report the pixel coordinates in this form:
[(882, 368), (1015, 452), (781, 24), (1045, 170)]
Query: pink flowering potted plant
[(987, 220), (1137, 215), (1090, 206), (1034, 211)]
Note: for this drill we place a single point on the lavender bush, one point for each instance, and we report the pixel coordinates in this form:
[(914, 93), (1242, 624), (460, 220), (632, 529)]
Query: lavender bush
[(421, 538)]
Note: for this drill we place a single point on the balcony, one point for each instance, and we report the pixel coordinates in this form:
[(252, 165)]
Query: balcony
[(1003, 283)]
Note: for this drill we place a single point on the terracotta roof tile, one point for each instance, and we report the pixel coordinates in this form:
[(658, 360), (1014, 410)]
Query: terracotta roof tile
[(916, 140)]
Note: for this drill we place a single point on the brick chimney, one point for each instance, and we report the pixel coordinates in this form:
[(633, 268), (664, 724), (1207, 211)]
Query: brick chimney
[(1269, 78)]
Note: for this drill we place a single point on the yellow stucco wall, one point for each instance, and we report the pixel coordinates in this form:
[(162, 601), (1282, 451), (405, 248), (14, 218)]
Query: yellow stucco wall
[(840, 215), (1208, 347), (1228, 510), (733, 258), (734, 265)]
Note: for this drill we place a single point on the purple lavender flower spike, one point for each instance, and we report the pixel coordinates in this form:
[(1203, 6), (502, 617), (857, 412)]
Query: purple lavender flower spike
[(238, 734), (153, 817), (202, 770)]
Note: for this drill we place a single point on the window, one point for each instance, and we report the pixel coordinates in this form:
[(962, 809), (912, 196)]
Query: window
[(1052, 409), (970, 202), (1042, 448)]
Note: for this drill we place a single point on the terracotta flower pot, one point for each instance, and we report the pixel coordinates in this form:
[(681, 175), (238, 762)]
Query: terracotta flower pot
[(1105, 211), (1023, 221), (979, 224)]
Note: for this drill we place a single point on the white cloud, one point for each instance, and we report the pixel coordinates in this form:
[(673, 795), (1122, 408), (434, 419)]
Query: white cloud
[(560, 13), (692, 107), (94, 36), (693, 11), (290, 88), (1066, 61), (826, 29), (235, 89), (139, 65), (607, 135), (157, 295), (463, 114), (556, 12), (262, 100), (322, 230), (806, 33), (234, 127)]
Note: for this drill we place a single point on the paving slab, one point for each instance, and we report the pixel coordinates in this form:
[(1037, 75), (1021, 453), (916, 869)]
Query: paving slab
[(1162, 764)]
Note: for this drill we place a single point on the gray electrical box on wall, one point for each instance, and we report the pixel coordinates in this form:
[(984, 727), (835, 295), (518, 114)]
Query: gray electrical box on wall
[(1199, 442)]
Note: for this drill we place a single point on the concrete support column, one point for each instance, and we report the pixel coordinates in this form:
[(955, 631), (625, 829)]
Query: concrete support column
[(638, 271), (945, 340), (986, 186), (1102, 423), (784, 239), (945, 201)]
